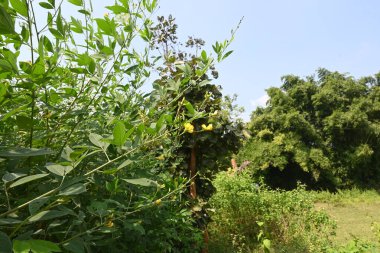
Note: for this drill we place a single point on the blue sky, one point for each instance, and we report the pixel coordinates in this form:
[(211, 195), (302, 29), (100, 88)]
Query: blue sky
[(279, 37)]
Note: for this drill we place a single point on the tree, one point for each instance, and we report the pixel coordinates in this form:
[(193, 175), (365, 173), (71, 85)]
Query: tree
[(322, 131)]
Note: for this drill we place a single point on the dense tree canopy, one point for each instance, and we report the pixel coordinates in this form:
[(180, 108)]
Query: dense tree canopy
[(323, 131)]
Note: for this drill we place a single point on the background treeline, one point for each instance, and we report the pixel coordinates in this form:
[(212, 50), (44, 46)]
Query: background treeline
[(323, 130)]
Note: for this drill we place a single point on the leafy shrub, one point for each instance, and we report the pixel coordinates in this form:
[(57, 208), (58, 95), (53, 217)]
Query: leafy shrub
[(354, 246), (248, 215), (322, 131), (87, 158)]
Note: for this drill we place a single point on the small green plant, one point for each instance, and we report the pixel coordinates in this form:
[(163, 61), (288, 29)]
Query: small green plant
[(267, 220), (355, 246)]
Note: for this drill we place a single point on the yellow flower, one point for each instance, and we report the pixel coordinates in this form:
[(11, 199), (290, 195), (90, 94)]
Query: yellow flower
[(161, 157), (207, 128), (157, 202), (189, 128), (109, 223), (106, 15)]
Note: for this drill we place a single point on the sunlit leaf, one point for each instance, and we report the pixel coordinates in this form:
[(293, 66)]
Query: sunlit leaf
[(27, 179), (35, 246), (6, 22), (46, 5), (124, 164), (25, 152), (141, 182), (20, 7), (47, 215), (119, 134), (76, 2), (73, 190), (58, 169), (97, 140)]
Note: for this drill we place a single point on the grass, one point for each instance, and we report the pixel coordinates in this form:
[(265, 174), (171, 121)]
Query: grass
[(354, 212)]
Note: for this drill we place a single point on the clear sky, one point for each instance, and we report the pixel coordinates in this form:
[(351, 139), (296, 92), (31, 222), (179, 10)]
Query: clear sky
[(279, 37)]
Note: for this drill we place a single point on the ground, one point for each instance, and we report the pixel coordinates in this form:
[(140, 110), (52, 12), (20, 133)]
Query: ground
[(354, 213)]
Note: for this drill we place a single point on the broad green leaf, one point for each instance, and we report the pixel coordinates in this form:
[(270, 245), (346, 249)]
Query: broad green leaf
[(73, 190), (5, 65), (117, 9), (131, 69), (189, 108), (227, 54), (52, 2), (21, 246), (23, 122), (14, 111), (203, 83), (27, 179), (59, 23), (46, 5), (35, 205), (66, 154), (5, 243), (76, 25), (72, 181), (96, 139), (48, 45), (38, 68), (76, 246), (266, 243), (47, 215), (6, 23), (174, 85), (105, 26), (35, 246), (85, 12), (42, 246), (124, 164), (9, 221), (76, 2), (119, 134), (25, 152), (58, 169), (204, 55), (56, 33), (41, 48), (141, 181), (20, 7), (9, 177)]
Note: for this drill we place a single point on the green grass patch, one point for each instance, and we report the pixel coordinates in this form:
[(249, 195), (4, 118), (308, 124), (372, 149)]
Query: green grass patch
[(355, 213)]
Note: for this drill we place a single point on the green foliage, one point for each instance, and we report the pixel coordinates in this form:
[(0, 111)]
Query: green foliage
[(346, 196), (354, 246), (201, 103), (87, 158), (249, 217), (323, 132)]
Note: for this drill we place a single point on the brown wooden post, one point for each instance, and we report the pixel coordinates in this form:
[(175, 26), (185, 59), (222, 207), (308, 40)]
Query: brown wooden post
[(193, 172), (234, 165)]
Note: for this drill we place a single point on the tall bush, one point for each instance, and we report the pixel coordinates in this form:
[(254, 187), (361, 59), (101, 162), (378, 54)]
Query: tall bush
[(321, 130), (84, 153), (251, 218)]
